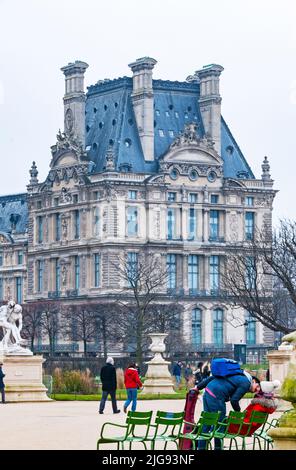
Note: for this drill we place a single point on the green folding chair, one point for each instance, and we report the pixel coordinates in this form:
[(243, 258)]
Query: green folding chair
[(262, 436), (208, 420), (257, 417), (136, 429), (224, 430), (167, 428)]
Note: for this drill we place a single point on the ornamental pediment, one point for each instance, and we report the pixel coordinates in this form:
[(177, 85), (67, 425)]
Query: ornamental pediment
[(190, 147), (67, 151)]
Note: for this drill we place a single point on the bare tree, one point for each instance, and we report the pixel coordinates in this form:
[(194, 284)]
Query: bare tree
[(260, 276), (166, 318), (144, 278), (50, 322), (80, 324), (108, 330), (32, 319)]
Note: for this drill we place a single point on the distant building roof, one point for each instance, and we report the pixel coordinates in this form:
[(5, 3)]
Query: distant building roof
[(110, 121), (13, 213)]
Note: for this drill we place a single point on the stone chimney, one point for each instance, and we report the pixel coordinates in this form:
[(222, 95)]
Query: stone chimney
[(143, 100), (74, 100), (210, 102)]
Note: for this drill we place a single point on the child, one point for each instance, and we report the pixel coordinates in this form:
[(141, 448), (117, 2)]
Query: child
[(264, 402)]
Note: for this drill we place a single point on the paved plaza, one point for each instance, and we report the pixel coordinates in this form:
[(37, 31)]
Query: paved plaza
[(68, 425)]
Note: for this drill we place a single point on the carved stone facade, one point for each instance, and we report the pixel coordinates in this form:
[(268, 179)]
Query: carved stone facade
[(188, 208)]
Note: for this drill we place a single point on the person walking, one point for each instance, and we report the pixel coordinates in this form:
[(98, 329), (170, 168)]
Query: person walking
[(177, 372), (132, 383), (187, 374), (2, 386), (109, 385), (219, 390)]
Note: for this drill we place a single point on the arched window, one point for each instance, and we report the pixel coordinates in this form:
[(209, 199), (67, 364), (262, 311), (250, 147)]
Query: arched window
[(196, 322), (218, 320)]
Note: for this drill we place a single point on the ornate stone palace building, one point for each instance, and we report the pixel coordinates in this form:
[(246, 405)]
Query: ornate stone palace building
[(141, 163)]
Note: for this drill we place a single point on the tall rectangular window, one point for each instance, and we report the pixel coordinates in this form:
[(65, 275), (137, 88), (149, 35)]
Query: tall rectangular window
[(77, 271), (249, 225), (20, 257), (214, 272), (97, 266), (1, 288), (192, 224), (76, 224), (196, 326), (214, 225), (58, 227), (193, 283), (172, 271), (171, 224), (250, 329), (57, 275), (132, 268), (40, 229), (19, 290), (40, 275), (250, 272), (218, 326), (132, 221), (1, 258)]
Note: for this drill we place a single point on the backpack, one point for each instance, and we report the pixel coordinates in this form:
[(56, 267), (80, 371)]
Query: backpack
[(223, 367)]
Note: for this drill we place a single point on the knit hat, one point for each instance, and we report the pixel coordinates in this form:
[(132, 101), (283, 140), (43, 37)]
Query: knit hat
[(269, 387), (110, 360)]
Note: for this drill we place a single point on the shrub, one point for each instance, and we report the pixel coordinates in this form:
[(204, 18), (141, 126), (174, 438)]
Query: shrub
[(73, 381)]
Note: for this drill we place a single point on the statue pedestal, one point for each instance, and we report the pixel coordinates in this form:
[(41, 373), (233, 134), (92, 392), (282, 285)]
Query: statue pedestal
[(279, 363), (158, 377), (23, 378)]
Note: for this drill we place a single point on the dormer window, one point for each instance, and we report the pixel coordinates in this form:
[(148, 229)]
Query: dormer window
[(161, 133), (171, 133)]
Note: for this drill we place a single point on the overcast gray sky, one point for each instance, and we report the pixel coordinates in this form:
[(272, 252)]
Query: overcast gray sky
[(255, 41)]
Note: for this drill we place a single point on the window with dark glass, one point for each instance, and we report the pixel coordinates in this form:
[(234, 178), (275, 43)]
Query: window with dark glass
[(132, 221), (19, 290), (250, 272), (196, 324), (214, 272), (58, 226), (249, 225), (57, 275), (214, 198), (132, 268), (171, 229), (192, 198), (218, 326), (132, 194), (214, 225), (192, 224), (76, 224), (171, 196), (40, 275), (193, 265), (77, 271), (20, 257), (97, 264), (250, 324), (40, 229), (172, 271), (1, 288)]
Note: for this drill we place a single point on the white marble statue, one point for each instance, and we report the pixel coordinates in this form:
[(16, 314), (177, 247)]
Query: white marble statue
[(11, 322)]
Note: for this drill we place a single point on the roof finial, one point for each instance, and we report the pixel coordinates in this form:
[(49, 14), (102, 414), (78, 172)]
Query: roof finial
[(33, 173), (265, 169)]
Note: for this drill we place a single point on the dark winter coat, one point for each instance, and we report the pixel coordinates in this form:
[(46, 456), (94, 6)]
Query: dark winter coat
[(177, 370), (108, 378), (1, 378), (227, 389)]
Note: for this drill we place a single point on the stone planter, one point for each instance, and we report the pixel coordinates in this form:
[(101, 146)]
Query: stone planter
[(285, 435), (158, 377)]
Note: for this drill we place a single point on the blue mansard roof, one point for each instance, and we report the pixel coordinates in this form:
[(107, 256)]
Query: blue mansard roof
[(13, 213), (110, 120)]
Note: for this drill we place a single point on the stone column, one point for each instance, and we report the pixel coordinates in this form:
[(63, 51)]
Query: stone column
[(205, 225), (207, 326)]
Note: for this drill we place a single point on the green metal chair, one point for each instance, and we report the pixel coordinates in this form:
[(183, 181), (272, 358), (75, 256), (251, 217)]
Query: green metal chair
[(257, 417), (224, 430), (261, 435), (208, 420), (167, 428), (131, 432)]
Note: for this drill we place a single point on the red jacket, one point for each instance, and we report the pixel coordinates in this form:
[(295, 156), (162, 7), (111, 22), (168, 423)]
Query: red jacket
[(132, 379), (257, 404)]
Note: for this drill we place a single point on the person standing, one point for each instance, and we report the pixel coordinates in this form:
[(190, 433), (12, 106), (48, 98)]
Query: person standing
[(2, 386), (219, 390), (132, 383), (177, 372), (109, 385), (187, 373)]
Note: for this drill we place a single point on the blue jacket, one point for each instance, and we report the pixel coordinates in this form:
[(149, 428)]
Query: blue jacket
[(226, 389), (177, 369), (1, 378)]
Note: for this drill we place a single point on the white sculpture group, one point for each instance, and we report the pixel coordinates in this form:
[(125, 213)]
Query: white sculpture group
[(11, 322)]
